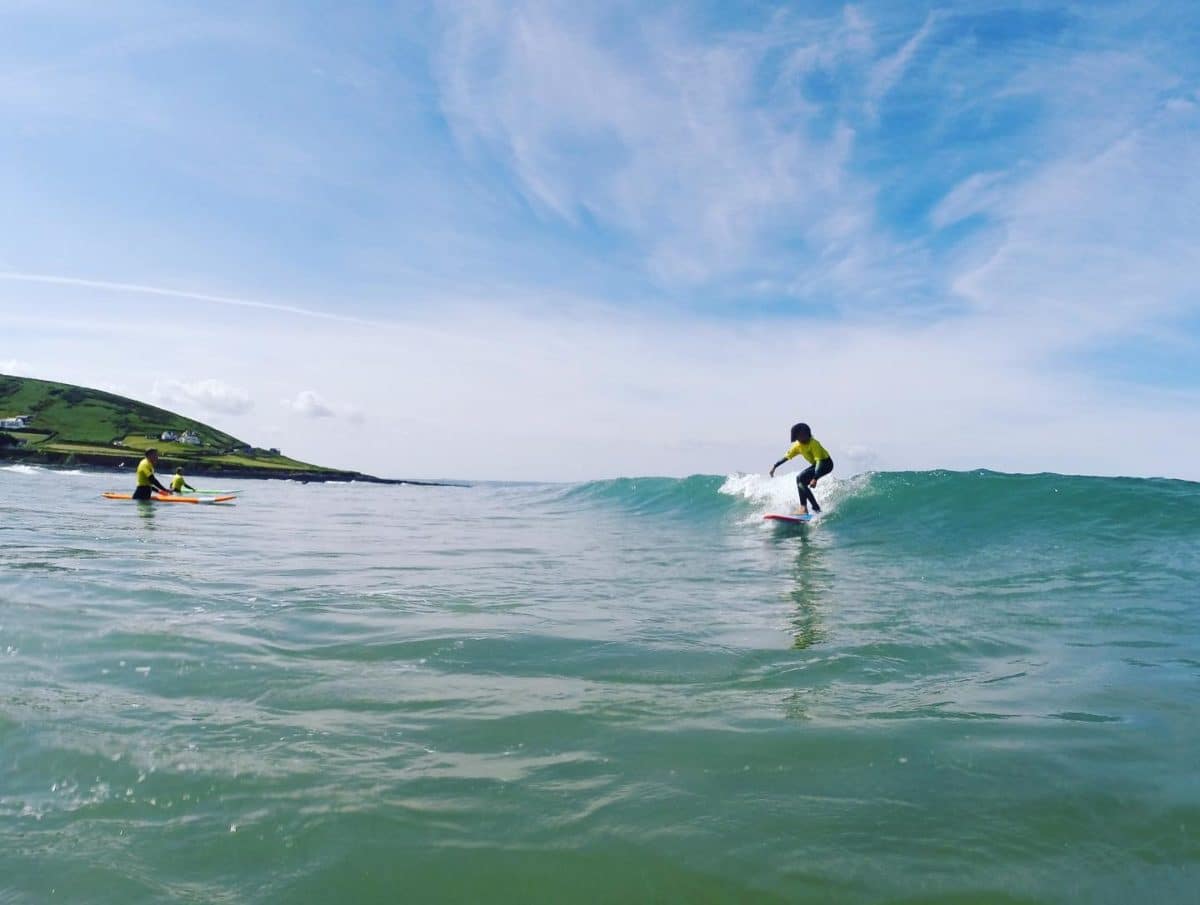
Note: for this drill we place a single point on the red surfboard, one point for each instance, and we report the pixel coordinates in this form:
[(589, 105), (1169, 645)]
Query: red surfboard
[(802, 519)]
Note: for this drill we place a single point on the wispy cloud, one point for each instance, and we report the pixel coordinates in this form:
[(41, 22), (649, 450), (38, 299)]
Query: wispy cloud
[(667, 137), (978, 194), (183, 294), (1097, 240), (886, 73), (654, 222)]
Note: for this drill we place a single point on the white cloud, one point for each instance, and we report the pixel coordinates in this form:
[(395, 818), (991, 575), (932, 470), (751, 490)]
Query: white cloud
[(15, 367), (588, 393), (211, 395), (310, 405)]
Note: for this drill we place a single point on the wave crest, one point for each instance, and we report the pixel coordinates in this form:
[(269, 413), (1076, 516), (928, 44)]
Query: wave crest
[(920, 502)]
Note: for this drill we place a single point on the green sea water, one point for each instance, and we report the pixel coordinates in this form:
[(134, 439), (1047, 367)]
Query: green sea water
[(953, 688)]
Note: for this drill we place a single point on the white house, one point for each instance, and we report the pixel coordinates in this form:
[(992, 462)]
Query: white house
[(15, 423), (169, 436), (191, 438)]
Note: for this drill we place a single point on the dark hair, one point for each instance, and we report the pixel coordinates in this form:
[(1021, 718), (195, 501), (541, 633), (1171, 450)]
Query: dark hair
[(152, 451), (800, 430)]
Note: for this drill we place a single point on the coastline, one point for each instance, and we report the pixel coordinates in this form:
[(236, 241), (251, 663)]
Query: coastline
[(194, 468)]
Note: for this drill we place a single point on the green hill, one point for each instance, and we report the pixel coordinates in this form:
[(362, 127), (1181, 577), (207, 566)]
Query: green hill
[(83, 415), (75, 425)]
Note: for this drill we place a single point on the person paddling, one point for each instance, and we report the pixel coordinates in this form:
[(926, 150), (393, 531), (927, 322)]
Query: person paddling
[(146, 481), (178, 483), (820, 464)]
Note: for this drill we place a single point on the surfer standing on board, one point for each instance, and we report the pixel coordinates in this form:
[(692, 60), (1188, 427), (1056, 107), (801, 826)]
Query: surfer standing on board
[(146, 481), (819, 464)]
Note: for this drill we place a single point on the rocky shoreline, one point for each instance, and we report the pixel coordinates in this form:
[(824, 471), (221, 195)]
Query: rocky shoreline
[(98, 463)]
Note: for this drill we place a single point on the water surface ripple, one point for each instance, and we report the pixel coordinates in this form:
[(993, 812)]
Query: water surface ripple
[(954, 688)]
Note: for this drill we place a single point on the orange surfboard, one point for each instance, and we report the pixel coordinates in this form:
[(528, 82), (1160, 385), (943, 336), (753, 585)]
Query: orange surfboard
[(171, 498)]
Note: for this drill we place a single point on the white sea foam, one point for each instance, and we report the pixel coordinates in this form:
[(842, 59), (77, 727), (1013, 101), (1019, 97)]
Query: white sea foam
[(779, 494), (771, 494), (33, 469), (21, 469)]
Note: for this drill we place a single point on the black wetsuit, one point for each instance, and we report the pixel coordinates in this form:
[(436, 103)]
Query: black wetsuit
[(805, 479)]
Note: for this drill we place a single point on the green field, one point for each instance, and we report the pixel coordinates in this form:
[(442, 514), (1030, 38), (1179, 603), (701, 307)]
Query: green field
[(89, 448), (71, 420), (27, 436), (140, 443), (280, 462), (93, 416)]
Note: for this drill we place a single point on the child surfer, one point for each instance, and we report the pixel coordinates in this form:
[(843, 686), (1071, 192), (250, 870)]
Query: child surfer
[(178, 483), (819, 464)]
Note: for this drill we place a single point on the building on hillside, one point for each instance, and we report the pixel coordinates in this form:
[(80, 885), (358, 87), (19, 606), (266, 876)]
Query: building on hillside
[(15, 423), (191, 438), (169, 436)]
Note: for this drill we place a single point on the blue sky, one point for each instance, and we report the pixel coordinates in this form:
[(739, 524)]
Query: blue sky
[(563, 240)]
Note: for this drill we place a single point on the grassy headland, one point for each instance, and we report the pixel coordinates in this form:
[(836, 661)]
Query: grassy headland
[(76, 426)]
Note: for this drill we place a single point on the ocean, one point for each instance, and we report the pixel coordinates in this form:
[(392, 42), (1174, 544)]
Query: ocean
[(953, 688)]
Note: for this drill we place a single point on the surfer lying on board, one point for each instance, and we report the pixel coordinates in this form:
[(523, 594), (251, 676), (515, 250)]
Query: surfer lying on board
[(146, 481), (820, 464), (178, 483)]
